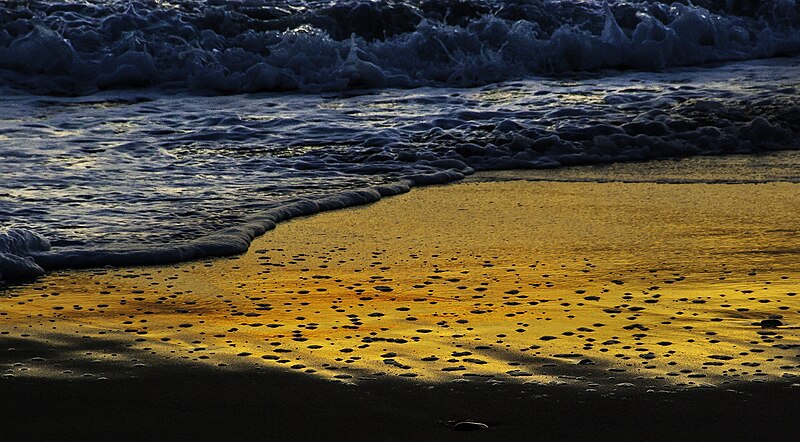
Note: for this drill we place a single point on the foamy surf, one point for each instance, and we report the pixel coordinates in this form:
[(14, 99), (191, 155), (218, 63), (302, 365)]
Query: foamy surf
[(261, 45), (16, 248), (165, 173)]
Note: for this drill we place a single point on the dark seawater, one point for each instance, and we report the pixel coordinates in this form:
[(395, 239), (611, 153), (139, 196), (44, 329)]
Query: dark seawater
[(153, 132)]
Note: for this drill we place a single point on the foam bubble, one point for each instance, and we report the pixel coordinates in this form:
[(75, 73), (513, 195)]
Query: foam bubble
[(21, 241), (16, 246)]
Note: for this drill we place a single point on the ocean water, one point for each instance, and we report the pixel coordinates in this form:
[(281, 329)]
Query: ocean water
[(140, 132)]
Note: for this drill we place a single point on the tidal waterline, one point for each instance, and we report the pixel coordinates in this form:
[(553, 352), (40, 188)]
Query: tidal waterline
[(601, 285), (142, 178)]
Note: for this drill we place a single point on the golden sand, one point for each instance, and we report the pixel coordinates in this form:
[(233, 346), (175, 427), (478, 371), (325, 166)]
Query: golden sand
[(516, 281)]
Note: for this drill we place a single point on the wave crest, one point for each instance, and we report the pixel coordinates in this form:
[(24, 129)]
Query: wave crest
[(247, 46)]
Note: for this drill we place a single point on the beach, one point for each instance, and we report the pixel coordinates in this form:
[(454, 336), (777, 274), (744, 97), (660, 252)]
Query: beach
[(555, 308), (405, 219)]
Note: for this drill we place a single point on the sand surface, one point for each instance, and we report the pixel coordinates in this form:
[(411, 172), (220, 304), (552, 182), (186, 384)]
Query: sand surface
[(528, 289)]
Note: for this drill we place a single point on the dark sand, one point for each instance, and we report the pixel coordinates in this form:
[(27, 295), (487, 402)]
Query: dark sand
[(545, 310), (202, 404)]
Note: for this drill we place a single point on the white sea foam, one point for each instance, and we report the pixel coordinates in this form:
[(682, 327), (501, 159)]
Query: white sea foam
[(77, 47), (16, 248)]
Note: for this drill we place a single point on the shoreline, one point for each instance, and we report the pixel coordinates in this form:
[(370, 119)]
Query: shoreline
[(772, 167)]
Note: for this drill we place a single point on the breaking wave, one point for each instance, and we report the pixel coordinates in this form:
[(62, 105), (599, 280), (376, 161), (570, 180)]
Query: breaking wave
[(232, 46)]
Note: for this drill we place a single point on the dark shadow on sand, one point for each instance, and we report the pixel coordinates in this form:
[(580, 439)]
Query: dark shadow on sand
[(183, 401)]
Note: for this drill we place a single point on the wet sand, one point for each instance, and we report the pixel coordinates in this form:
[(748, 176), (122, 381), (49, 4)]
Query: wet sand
[(557, 309)]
